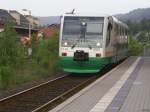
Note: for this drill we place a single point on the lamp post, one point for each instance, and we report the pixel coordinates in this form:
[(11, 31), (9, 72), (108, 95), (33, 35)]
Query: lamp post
[(29, 11), (29, 49)]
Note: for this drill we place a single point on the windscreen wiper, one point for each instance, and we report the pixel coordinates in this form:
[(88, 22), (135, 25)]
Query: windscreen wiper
[(73, 45)]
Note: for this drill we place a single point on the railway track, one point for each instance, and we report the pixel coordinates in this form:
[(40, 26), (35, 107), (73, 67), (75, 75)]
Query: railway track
[(45, 96), (48, 95)]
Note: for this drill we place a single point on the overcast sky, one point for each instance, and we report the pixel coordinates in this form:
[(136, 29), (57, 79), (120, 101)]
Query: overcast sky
[(58, 7)]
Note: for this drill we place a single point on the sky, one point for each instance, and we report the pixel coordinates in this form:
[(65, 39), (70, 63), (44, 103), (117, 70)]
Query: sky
[(58, 7)]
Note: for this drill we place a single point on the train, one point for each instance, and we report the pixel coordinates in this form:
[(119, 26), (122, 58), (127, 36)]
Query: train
[(89, 42)]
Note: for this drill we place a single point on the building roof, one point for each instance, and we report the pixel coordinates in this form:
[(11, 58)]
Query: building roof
[(55, 26), (48, 31), (32, 17)]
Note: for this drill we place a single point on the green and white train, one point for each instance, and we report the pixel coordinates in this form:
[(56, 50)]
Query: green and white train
[(89, 42)]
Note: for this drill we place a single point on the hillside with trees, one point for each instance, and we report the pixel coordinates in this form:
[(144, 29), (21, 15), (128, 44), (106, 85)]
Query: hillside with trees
[(136, 27), (136, 15), (140, 33), (138, 22)]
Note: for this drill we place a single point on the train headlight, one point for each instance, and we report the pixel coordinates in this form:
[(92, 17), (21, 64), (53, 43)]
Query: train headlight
[(65, 43), (83, 23), (98, 44)]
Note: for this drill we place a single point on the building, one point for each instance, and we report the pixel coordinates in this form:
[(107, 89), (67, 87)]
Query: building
[(49, 31), (19, 18), (1, 26), (20, 22), (33, 21), (5, 17), (54, 26)]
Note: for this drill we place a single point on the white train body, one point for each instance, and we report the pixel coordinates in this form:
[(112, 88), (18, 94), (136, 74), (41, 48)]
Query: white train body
[(92, 41)]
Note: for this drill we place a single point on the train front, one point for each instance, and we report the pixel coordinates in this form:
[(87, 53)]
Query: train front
[(81, 41)]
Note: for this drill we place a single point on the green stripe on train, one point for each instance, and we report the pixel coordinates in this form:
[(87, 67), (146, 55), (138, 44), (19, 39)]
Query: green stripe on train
[(92, 66)]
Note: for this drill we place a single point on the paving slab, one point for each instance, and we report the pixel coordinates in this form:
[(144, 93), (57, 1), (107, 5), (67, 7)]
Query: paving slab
[(138, 99), (86, 99)]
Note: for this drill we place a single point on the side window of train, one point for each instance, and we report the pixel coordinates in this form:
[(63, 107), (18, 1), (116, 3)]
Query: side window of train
[(109, 29)]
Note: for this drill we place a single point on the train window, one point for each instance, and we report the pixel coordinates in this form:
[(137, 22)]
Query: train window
[(124, 32), (108, 34), (120, 31), (116, 29), (72, 25), (72, 28), (117, 32), (82, 31), (94, 28)]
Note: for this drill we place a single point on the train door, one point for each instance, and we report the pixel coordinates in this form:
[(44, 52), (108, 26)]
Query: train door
[(109, 36)]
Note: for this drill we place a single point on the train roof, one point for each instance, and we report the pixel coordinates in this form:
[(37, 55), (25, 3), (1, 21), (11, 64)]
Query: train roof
[(86, 14), (97, 15), (119, 22)]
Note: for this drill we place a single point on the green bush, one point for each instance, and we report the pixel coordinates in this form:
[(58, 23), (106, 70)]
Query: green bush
[(136, 48), (16, 67), (7, 77), (11, 51), (11, 55), (46, 54)]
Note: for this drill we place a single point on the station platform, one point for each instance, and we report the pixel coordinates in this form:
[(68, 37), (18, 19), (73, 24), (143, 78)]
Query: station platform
[(125, 88)]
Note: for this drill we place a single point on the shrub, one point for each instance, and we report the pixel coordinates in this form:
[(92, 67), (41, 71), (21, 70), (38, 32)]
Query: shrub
[(10, 50), (135, 47), (7, 76), (11, 54), (16, 69)]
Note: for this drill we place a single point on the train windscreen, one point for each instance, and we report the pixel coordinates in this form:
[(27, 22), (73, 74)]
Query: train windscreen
[(82, 31)]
